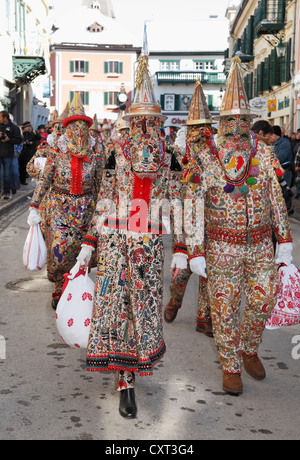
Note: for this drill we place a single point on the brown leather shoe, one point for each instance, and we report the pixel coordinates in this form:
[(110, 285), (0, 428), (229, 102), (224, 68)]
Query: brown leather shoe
[(232, 383), (170, 312), (254, 367), (206, 328)]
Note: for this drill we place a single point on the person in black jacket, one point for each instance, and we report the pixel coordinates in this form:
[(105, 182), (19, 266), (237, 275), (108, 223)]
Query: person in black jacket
[(31, 141), (10, 135)]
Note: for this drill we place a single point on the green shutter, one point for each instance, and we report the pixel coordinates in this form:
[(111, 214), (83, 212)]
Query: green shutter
[(177, 102), (72, 66), (106, 98), (162, 101), (86, 98), (86, 67), (266, 74), (106, 67), (72, 95), (120, 67)]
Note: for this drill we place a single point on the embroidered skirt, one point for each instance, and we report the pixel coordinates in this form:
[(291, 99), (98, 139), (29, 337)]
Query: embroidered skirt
[(126, 331)]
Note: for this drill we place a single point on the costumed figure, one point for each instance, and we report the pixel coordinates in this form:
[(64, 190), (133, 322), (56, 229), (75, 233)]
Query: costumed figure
[(36, 166), (127, 329), (198, 132), (228, 224), (106, 132), (98, 146), (72, 175)]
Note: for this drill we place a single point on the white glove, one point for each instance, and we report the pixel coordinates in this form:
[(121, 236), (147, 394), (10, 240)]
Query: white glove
[(284, 254), (198, 266), (33, 218), (85, 254), (179, 261)]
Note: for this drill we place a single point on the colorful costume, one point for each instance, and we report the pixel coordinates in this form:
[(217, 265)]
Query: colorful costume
[(72, 176), (238, 202), (126, 332), (193, 142)]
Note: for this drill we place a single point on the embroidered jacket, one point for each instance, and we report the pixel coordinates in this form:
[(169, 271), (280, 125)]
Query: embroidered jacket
[(212, 213), (127, 202)]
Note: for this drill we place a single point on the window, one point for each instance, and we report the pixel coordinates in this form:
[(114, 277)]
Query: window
[(79, 67), (169, 102), (85, 96), (169, 65), (113, 67), (111, 98), (204, 65)]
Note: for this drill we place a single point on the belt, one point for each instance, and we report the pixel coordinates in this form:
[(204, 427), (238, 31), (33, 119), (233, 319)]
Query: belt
[(66, 192), (249, 236)]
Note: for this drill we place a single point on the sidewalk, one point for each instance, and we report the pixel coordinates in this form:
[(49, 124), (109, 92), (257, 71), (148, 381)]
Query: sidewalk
[(22, 194)]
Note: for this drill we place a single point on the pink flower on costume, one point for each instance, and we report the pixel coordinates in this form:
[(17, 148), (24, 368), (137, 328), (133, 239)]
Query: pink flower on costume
[(70, 322)]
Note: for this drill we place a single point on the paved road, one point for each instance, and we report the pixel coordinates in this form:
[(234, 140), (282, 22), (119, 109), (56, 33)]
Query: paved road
[(45, 392)]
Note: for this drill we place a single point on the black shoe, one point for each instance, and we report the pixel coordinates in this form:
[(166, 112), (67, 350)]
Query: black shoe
[(14, 191), (6, 197), (54, 304), (127, 406), (24, 183)]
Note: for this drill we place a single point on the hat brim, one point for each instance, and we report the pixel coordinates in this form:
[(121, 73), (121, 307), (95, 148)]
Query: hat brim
[(74, 118), (250, 115), (144, 114)]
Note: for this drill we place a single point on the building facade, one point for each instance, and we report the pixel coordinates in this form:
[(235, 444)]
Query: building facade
[(94, 58), (265, 34), (175, 74), (24, 42)]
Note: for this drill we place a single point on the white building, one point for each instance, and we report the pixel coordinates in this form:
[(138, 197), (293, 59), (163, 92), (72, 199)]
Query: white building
[(24, 32), (180, 52)]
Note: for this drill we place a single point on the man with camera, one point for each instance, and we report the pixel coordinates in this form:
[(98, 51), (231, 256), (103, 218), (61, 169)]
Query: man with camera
[(9, 136)]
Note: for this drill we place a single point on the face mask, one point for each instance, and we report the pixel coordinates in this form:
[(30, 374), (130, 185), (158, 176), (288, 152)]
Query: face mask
[(234, 144), (77, 134), (145, 145)]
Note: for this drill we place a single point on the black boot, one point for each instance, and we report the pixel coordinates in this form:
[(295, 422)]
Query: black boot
[(54, 304), (127, 406)]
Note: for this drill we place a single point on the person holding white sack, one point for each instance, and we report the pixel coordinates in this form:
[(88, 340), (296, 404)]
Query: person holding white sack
[(72, 178), (127, 328), (239, 202)]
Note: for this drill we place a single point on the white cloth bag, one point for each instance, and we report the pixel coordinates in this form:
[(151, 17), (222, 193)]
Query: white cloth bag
[(287, 309), (75, 307), (34, 250)]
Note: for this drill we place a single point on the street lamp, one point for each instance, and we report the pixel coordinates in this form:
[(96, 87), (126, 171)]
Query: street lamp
[(280, 50)]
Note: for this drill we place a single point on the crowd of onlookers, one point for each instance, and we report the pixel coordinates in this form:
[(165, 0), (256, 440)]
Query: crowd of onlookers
[(17, 147)]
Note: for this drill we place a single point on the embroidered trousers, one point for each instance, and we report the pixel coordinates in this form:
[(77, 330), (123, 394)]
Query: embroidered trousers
[(177, 290), (234, 269)]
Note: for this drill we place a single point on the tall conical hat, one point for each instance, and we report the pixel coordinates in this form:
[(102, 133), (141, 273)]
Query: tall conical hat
[(106, 124), (77, 112), (145, 102), (121, 123), (95, 126), (63, 116), (235, 100), (199, 113)]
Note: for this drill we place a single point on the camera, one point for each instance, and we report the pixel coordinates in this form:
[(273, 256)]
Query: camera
[(4, 130)]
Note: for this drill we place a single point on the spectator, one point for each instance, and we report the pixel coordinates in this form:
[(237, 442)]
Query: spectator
[(42, 132), (15, 171), (263, 131), (284, 153), (31, 141), (297, 143), (297, 170), (10, 135)]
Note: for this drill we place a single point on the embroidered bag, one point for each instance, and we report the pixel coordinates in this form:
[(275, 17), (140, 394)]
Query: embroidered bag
[(74, 309), (287, 309), (34, 250)]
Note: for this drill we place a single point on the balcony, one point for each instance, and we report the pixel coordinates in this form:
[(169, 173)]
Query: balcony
[(180, 76), (269, 17), (27, 68)]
